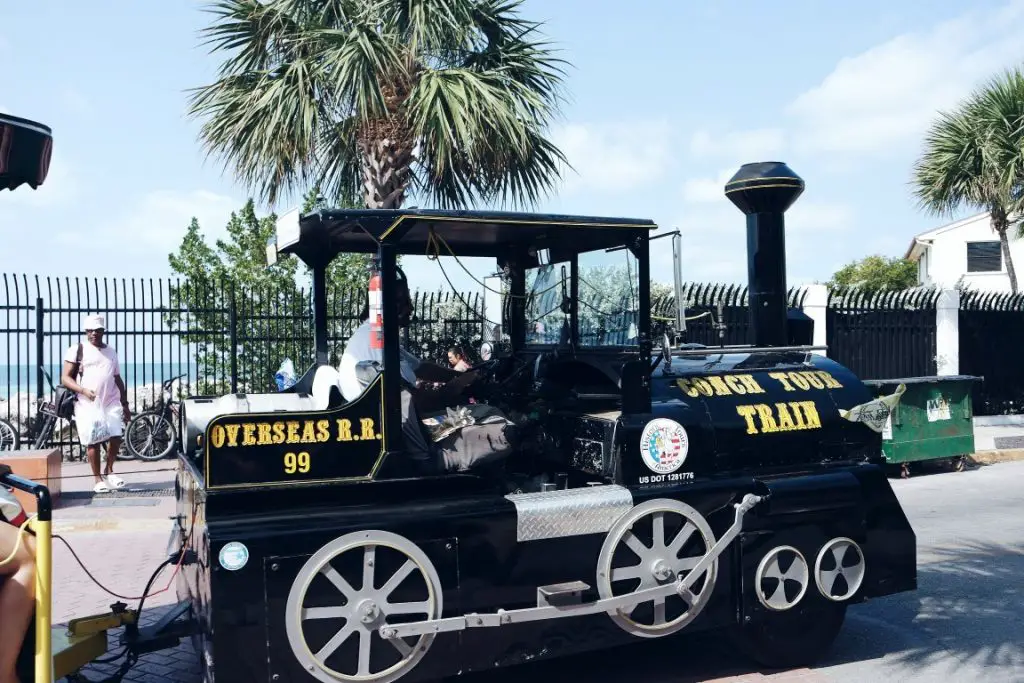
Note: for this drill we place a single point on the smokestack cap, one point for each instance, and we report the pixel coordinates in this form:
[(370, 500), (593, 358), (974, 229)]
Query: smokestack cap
[(764, 187)]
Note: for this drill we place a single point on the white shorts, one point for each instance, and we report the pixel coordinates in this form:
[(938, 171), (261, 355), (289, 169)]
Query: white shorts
[(97, 424)]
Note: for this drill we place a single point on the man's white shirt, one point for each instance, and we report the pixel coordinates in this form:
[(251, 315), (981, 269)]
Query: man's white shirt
[(358, 350)]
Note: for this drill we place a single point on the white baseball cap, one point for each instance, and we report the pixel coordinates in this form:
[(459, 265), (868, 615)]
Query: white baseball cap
[(93, 322)]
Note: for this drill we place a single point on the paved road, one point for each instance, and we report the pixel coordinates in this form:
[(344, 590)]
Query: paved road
[(963, 624)]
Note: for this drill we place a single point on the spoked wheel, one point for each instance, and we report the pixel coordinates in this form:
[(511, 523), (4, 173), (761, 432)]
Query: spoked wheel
[(333, 627), (10, 440), (669, 538), (150, 436)]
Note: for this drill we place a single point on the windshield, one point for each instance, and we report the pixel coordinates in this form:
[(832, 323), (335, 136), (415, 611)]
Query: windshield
[(609, 291), (546, 287), (607, 307)]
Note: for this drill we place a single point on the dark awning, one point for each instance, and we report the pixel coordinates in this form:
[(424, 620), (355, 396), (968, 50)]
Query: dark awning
[(25, 148), (327, 233)]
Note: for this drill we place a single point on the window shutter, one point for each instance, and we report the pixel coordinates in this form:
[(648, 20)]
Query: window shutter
[(984, 257)]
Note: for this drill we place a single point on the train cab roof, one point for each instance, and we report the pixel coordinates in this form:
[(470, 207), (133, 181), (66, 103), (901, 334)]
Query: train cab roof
[(321, 235)]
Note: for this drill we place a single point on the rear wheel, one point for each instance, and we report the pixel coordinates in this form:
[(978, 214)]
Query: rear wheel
[(10, 440), (150, 436), (790, 639)]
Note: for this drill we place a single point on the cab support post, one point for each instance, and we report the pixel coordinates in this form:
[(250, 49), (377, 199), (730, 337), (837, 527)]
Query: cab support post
[(320, 312)]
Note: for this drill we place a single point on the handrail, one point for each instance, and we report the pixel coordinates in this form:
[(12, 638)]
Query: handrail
[(41, 525)]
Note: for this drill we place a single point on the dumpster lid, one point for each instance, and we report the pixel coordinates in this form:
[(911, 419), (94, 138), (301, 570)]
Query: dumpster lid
[(922, 380)]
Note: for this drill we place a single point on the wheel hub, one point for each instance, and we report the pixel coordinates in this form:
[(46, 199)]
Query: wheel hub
[(661, 571), (368, 611)]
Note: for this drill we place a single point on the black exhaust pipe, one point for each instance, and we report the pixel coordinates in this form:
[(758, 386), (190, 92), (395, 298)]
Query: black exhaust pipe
[(763, 191)]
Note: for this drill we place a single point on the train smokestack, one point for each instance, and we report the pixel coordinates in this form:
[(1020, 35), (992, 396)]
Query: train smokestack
[(763, 191)]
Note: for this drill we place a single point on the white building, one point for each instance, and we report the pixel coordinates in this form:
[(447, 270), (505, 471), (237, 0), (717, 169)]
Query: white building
[(968, 251)]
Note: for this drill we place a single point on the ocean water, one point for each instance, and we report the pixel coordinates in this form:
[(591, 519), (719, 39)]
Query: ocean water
[(21, 379)]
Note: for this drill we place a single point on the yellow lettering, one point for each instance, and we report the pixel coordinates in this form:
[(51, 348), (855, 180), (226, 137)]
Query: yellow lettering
[(217, 436), (702, 386), (768, 425), (344, 430), (232, 431), (293, 431), (278, 432), (811, 412), (309, 432), (785, 419), (797, 379), (829, 380), (264, 438), (687, 387), (751, 384), (296, 462), (800, 422), (249, 434), (367, 425), (323, 430), (813, 380), (720, 387), (734, 383), (747, 413), (781, 376)]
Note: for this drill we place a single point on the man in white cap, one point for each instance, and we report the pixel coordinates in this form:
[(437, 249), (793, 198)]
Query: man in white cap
[(92, 370)]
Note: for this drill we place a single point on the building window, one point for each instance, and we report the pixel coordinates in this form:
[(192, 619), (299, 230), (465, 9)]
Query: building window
[(984, 257)]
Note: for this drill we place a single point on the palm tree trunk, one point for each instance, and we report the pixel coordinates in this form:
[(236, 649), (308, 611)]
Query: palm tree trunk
[(1000, 225), (386, 172)]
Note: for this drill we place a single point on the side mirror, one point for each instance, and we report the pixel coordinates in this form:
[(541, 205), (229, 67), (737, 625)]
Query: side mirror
[(666, 350), (486, 350)]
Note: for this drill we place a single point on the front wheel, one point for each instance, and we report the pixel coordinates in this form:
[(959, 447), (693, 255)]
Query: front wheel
[(791, 639), (10, 440), (150, 436)]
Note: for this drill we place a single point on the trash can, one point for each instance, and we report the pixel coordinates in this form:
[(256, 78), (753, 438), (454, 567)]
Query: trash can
[(932, 421)]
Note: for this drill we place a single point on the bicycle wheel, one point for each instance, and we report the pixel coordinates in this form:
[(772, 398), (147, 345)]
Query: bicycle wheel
[(10, 440), (150, 436)]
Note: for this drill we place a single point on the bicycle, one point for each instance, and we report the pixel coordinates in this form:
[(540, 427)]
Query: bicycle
[(10, 439), (39, 428), (152, 433)]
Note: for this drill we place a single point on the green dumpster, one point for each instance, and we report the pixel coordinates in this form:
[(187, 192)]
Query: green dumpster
[(933, 420)]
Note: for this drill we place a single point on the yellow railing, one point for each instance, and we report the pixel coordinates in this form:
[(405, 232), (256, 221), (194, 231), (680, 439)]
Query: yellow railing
[(40, 524)]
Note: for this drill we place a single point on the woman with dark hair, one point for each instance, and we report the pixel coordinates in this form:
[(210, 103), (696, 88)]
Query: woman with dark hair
[(17, 582), (457, 358)]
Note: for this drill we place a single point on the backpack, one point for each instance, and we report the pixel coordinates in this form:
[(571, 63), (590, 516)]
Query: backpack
[(64, 398)]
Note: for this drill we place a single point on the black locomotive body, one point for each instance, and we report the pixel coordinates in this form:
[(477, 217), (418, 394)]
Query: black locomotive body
[(705, 488)]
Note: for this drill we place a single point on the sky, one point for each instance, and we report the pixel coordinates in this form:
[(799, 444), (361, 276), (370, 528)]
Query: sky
[(667, 99)]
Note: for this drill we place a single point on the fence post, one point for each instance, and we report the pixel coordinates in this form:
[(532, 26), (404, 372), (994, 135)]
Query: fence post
[(947, 332), (39, 348), (815, 306), (233, 337)]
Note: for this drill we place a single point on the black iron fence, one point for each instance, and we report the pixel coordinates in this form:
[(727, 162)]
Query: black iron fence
[(225, 338), (991, 344), (220, 337), (883, 335)]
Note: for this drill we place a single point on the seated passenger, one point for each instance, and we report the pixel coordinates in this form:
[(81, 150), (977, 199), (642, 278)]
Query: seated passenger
[(17, 582), (424, 375), (457, 359)]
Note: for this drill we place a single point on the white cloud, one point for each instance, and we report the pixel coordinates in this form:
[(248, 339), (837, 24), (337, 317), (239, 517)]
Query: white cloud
[(738, 146), (613, 157), (706, 190), (888, 95), (143, 235)]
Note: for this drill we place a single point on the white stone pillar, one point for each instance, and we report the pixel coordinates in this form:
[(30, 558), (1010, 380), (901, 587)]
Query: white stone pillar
[(815, 307), (947, 332)]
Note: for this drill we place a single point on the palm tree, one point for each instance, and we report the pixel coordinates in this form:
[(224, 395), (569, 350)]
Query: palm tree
[(449, 99), (974, 156)]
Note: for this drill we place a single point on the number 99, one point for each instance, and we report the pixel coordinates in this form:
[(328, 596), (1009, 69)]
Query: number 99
[(296, 463)]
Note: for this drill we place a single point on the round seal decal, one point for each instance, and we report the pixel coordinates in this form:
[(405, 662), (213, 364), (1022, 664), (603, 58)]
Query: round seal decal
[(664, 445)]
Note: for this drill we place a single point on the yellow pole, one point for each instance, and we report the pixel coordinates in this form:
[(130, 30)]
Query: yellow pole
[(44, 600)]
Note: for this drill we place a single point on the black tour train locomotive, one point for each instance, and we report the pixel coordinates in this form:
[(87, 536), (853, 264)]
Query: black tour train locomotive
[(620, 491)]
